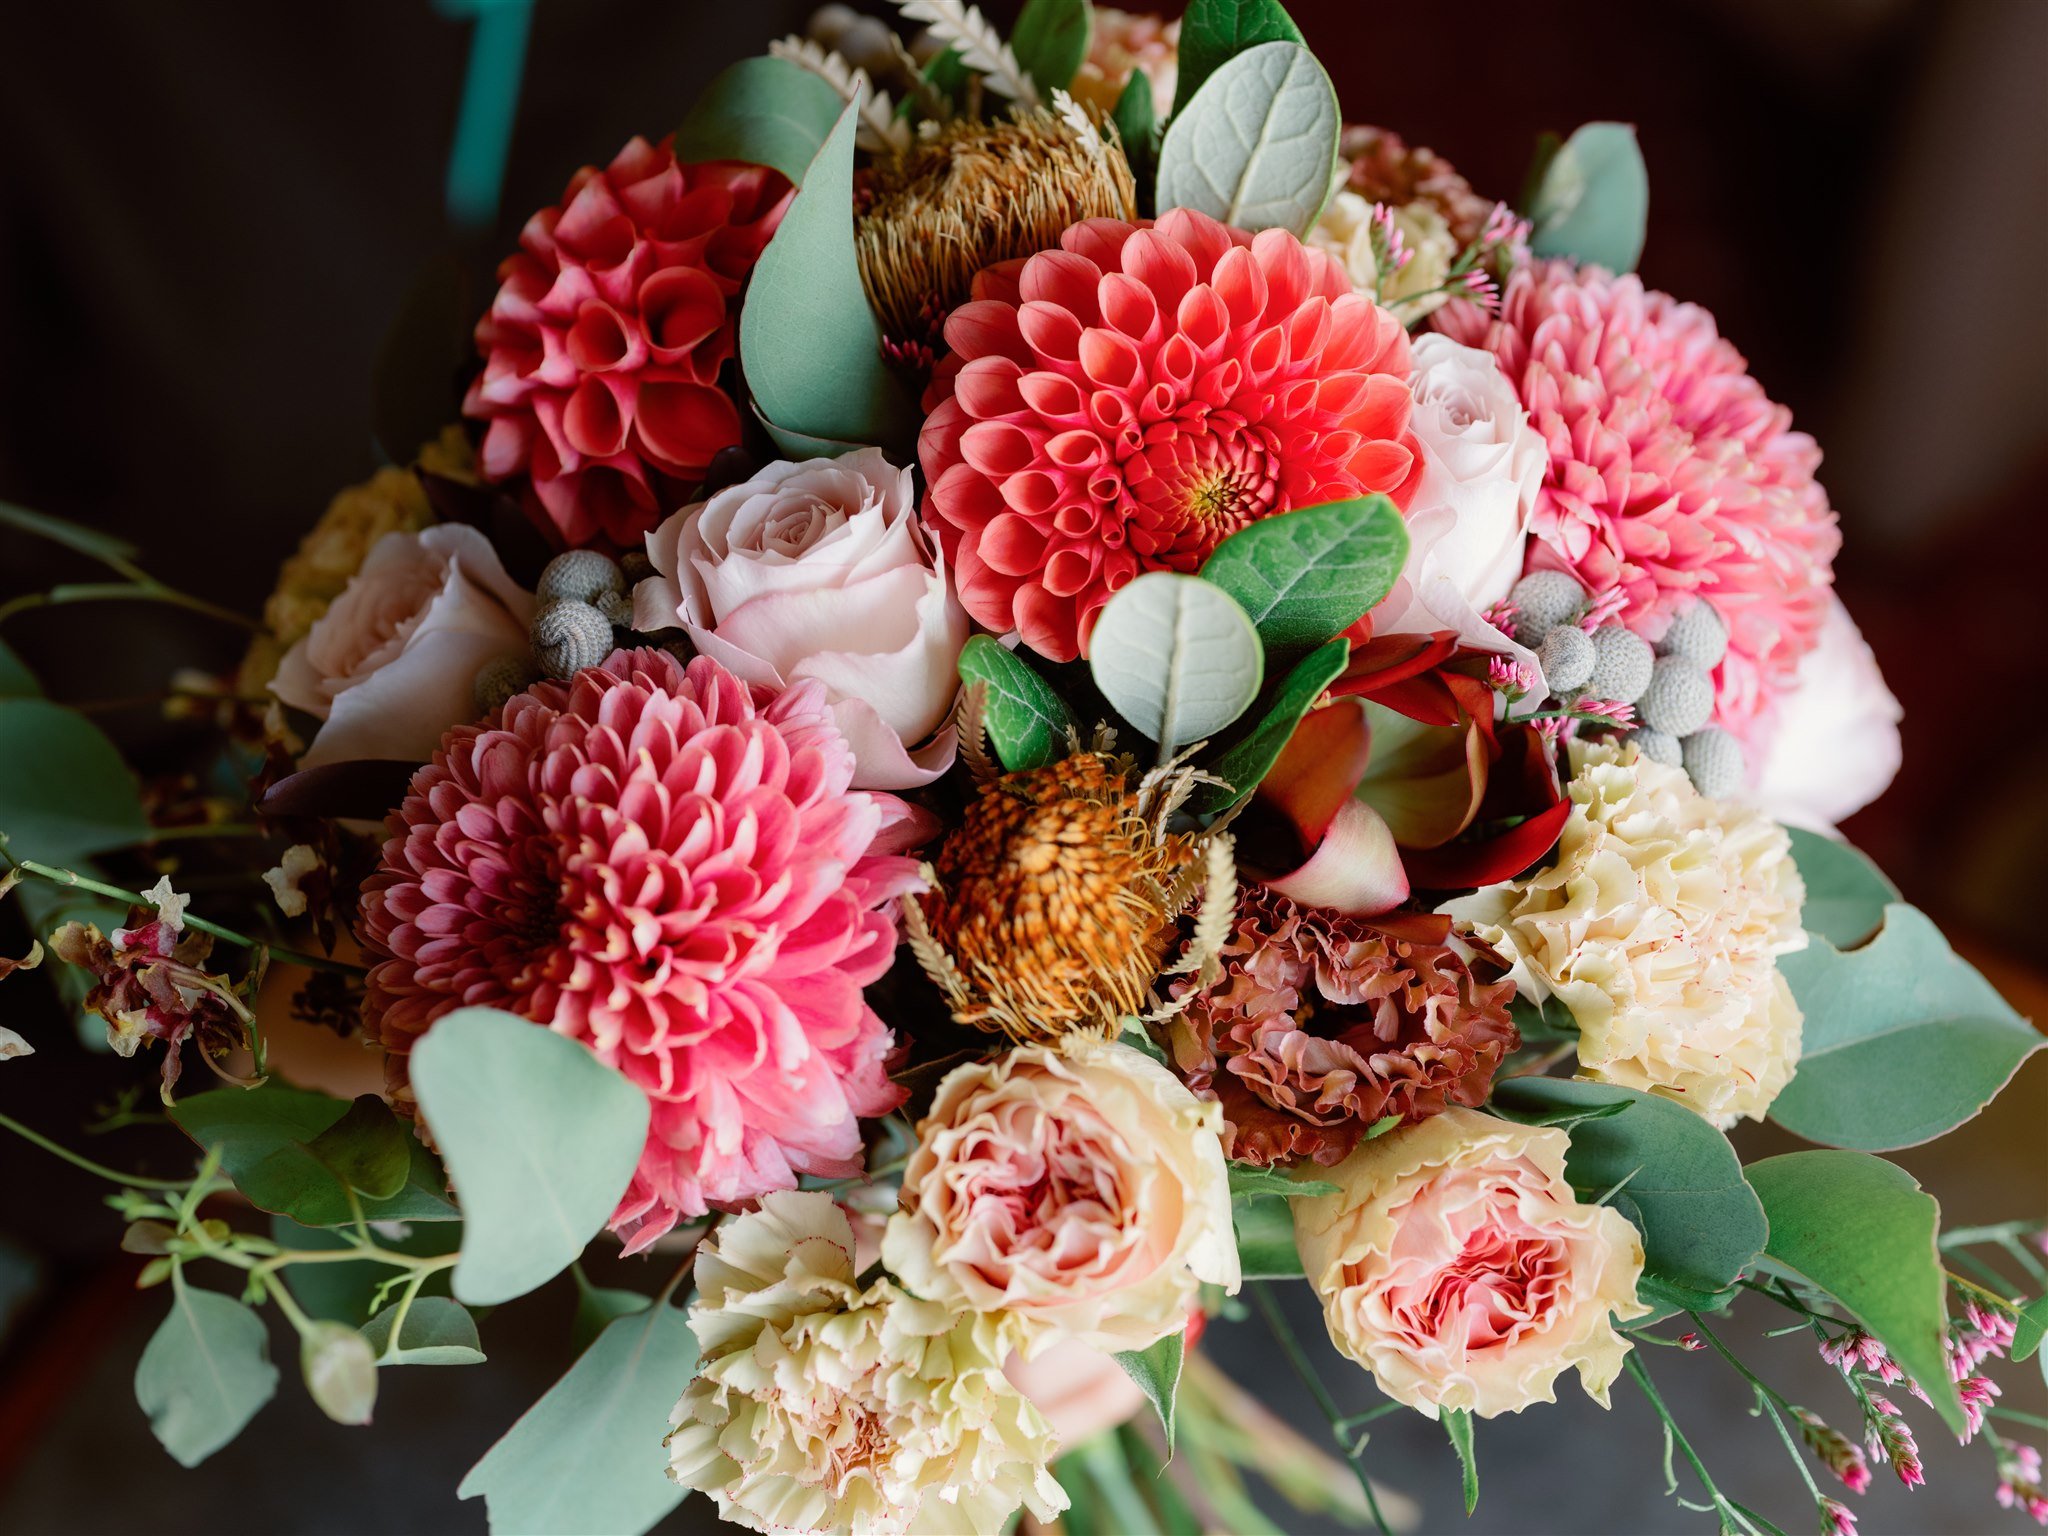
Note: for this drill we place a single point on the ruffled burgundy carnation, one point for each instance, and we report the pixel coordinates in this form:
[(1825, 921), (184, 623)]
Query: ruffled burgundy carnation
[(670, 867), (1324, 1024), (603, 346)]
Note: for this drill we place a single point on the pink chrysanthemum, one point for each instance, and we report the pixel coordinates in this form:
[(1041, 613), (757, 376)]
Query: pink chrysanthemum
[(1126, 402), (603, 346), (670, 867), (1671, 472)]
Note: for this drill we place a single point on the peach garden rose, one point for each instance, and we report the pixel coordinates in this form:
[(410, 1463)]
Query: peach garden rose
[(1456, 1264), (1079, 1194)]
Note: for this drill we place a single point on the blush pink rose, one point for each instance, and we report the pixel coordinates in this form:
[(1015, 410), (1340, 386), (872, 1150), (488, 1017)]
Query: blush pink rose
[(1456, 1264), (820, 569), (1836, 744), (392, 663), (1081, 1390)]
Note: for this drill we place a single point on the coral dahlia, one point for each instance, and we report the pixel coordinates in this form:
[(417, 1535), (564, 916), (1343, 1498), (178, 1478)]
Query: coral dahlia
[(669, 866), (1671, 472), (1323, 1024), (1129, 400), (603, 346)]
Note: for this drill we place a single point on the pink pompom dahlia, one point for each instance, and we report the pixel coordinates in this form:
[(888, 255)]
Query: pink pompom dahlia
[(670, 867), (1671, 472), (603, 346), (1126, 402)]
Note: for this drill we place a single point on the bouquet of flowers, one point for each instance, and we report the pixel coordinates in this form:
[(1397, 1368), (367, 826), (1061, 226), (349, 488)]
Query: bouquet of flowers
[(1035, 689)]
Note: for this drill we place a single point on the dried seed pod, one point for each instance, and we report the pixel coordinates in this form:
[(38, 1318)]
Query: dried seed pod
[(1679, 699), (1622, 660), (580, 576), (1566, 656), (497, 681), (1714, 762), (1697, 634), (1543, 600), (567, 637)]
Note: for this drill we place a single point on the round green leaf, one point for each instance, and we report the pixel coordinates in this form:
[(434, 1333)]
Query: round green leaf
[(366, 1149), (437, 1331), (1027, 722), (1310, 574), (1863, 1231), (764, 111), (1592, 199), (1257, 146), (1213, 32), (1176, 657), (1903, 1039), (204, 1373), (1846, 894), (540, 1138), (65, 793)]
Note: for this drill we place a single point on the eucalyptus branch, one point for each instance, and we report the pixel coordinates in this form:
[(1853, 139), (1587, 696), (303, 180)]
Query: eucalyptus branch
[(101, 1170)]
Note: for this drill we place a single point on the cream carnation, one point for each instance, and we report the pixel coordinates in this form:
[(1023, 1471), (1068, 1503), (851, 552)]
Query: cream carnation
[(1659, 926), (1456, 1264), (1413, 289), (1077, 1195), (822, 1406)]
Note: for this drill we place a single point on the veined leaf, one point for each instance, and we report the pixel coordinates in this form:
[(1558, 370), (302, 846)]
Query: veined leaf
[(436, 1331), (1257, 146), (204, 1373), (1592, 199), (1846, 894), (1156, 1370), (764, 111), (1051, 40), (1458, 1426), (66, 793), (1245, 762), (1213, 32), (1176, 657), (1310, 574), (1027, 722)]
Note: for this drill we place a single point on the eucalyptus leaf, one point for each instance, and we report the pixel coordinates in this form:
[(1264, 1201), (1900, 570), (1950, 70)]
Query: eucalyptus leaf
[(1051, 41), (1176, 657), (588, 1456), (1846, 894), (345, 1290), (1257, 147), (367, 1149), (1213, 32), (204, 1373), (436, 1331), (540, 1137), (1265, 1238), (2029, 1328), (1247, 761), (597, 1306), (1027, 722), (1308, 575), (1156, 1370), (1863, 1231), (66, 793), (1137, 129), (810, 346), (1592, 199), (1458, 1426), (764, 111), (1903, 1039), (1679, 1180)]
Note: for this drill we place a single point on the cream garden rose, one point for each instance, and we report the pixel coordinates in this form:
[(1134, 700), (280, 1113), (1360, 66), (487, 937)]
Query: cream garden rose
[(392, 663), (1078, 1194), (822, 1406), (1456, 1264), (1658, 926), (821, 569)]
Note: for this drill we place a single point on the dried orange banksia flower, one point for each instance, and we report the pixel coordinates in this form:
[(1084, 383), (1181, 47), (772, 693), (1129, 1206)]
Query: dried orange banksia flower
[(975, 194), (1055, 904)]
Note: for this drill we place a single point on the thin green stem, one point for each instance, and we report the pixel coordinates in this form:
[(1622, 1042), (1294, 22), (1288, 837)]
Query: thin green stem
[(136, 899), (1276, 1323), (203, 829), (1767, 1396), (2016, 1416), (1633, 1364), (133, 1180)]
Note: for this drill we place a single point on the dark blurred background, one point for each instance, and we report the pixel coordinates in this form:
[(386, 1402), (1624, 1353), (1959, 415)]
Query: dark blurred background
[(209, 215)]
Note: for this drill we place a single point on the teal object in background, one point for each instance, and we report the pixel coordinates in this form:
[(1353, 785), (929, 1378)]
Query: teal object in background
[(490, 101)]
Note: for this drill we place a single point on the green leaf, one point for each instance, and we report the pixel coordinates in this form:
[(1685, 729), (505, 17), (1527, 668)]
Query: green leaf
[(1846, 894), (1051, 40), (437, 1331), (2028, 1328), (588, 1456), (1027, 722), (1246, 761), (1863, 1231), (1702, 1225), (540, 1137), (1265, 1238), (345, 1291), (1458, 1426), (1903, 1039), (16, 681), (801, 445), (1310, 574), (1257, 146), (66, 793), (204, 1373), (262, 1135), (1248, 1183), (1592, 199), (597, 1307), (763, 111), (61, 530), (1137, 128), (1213, 32), (366, 1149), (809, 343), (1156, 1370), (1175, 656)]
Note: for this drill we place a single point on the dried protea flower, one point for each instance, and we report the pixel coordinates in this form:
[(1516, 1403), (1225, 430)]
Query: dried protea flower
[(1054, 904), (974, 194), (1323, 1024), (1384, 169)]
